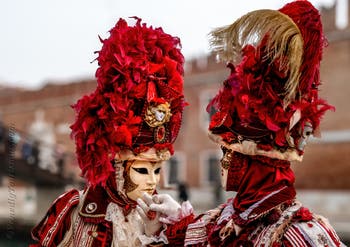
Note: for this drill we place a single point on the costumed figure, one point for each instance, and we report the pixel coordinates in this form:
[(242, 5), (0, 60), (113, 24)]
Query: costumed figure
[(123, 132), (265, 112)]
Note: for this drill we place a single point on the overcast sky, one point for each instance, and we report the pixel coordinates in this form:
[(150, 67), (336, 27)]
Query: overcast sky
[(55, 40)]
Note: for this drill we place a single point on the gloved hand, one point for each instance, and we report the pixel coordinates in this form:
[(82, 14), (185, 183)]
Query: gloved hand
[(149, 217), (166, 205)]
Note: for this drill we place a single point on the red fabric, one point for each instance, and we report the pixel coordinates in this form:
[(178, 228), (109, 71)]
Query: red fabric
[(236, 171), (52, 228), (262, 177), (105, 235), (303, 214), (176, 233), (123, 201), (232, 240), (308, 20)]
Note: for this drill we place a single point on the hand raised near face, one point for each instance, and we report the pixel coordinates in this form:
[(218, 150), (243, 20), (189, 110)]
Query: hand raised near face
[(149, 217), (163, 204)]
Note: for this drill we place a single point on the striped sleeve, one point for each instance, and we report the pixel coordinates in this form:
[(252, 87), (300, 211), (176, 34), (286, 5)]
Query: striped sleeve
[(51, 229), (316, 232)]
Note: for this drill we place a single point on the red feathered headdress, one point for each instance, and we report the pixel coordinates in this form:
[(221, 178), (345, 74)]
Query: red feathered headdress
[(269, 103), (136, 109)]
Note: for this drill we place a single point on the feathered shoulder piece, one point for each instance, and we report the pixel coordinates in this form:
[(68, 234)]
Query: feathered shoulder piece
[(136, 109)]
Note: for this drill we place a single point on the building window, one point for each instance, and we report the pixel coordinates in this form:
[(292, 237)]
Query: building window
[(204, 117), (174, 170), (213, 169), (210, 163)]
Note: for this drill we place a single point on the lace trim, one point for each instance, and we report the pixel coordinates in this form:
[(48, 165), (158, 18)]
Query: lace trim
[(130, 232), (251, 148)]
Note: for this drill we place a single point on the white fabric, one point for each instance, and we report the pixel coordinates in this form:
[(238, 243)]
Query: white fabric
[(170, 208), (185, 210), (152, 225), (315, 232), (130, 232), (251, 148)]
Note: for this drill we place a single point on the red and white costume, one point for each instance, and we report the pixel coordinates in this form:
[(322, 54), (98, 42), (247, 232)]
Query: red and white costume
[(94, 217), (264, 113), (259, 215), (135, 113)]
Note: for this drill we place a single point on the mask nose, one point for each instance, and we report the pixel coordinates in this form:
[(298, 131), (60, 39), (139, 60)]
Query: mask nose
[(152, 179)]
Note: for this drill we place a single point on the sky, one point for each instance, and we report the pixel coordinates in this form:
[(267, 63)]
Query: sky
[(54, 40)]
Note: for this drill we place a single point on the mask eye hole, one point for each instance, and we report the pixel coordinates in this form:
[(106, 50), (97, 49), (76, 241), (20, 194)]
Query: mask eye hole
[(308, 130), (140, 170), (157, 171), (308, 133)]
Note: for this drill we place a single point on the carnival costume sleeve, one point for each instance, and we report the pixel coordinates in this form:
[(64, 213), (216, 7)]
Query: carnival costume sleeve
[(54, 227)]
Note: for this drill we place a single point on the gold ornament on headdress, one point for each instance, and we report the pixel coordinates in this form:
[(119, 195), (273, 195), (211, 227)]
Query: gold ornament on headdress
[(157, 115), (284, 41)]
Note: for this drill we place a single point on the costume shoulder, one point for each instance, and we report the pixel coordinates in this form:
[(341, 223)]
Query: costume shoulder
[(297, 226), (51, 229), (309, 229), (194, 230)]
